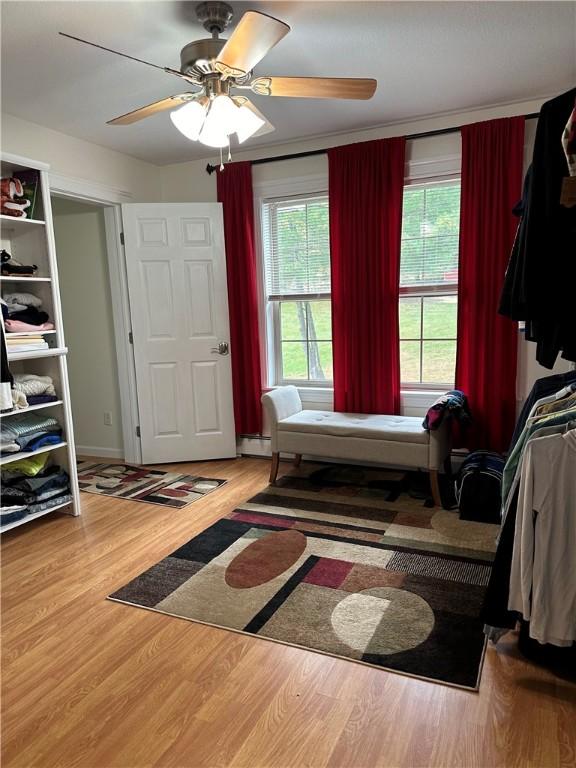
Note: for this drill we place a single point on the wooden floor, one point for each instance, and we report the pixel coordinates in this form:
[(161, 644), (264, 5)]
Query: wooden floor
[(92, 683)]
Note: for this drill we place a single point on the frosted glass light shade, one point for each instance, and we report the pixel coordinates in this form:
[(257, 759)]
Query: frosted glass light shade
[(247, 123), (223, 112), (220, 122), (189, 119), (213, 138)]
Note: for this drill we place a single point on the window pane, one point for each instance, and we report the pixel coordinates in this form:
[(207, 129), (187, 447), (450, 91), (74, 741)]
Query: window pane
[(293, 320), (296, 245), (438, 361), (294, 362), (430, 229), (412, 262), (440, 317), (410, 318), (410, 361), (319, 320), (412, 211), (320, 360)]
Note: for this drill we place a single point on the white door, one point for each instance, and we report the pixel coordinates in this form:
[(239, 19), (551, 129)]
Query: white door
[(176, 268)]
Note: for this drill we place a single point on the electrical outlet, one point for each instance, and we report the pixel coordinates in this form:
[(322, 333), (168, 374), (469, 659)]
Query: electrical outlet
[(108, 418)]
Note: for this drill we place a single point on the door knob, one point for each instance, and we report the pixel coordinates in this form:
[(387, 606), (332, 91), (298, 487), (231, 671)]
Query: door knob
[(221, 349)]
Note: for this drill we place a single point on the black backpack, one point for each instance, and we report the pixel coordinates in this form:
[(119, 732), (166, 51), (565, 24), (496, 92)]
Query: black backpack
[(479, 487)]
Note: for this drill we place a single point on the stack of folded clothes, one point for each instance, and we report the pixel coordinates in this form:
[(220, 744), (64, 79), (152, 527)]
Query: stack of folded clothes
[(25, 344), (30, 389), (32, 485), (13, 268), (24, 432), (24, 313)]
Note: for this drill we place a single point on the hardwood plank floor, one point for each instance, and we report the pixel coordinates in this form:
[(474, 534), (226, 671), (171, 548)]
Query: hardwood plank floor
[(95, 684)]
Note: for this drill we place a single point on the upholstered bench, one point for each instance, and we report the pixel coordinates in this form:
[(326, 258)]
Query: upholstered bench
[(397, 440)]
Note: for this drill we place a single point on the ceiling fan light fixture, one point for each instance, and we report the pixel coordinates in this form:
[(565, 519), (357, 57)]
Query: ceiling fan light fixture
[(247, 123), (213, 137), (223, 113), (221, 122), (190, 118)]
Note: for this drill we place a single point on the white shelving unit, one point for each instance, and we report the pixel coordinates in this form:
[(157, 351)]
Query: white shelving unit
[(31, 241)]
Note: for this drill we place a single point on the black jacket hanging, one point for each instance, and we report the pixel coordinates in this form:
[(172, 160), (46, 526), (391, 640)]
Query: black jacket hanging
[(540, 282)]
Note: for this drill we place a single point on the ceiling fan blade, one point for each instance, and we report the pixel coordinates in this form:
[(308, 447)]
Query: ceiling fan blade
[(255, 34), (171, 102), (315, 87), (127, 56), (267, 127)]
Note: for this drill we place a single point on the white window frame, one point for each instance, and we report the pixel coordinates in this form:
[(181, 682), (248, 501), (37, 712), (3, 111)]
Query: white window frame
[(425, 291), (415, 400), (270, 332), (276, 326)]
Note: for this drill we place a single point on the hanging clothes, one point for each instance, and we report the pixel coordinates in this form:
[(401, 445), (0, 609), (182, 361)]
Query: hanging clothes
[(495, 614), (543, 572), (562, 402), (541, 275), (544, 387)]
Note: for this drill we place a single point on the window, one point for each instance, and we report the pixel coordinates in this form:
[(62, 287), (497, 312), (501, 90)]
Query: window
[(429, 284), (296, 249), (296, 254)]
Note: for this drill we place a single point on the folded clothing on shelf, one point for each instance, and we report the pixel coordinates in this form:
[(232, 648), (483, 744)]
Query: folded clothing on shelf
[(30, 384), (19, 300), (29, 340), (18, 400), (24, 494), (13, 268), (40, 399), (28, 431), (24, 310), (31, 466), (22, 326), (12, 514), (27, 389), (22, 344), (22, 348)]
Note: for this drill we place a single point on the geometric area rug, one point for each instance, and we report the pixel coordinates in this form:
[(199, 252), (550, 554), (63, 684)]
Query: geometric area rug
[(153, 486), (338, 570)]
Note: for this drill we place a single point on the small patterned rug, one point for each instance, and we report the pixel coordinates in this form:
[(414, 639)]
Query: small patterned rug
[(340, 569), (170, 489)]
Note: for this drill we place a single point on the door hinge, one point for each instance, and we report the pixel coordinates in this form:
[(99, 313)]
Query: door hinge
[(130, 337), (122, 237), (138, 431)]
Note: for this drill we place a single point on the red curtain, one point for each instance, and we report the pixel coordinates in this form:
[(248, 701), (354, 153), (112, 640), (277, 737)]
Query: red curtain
[(492, 154), (365, 187), (235, 193)]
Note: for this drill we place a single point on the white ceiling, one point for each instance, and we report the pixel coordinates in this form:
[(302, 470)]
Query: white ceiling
[(428, 57)]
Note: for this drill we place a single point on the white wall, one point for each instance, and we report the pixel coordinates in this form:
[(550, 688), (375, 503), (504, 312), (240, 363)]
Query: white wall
[(88, 326), (76, 159)]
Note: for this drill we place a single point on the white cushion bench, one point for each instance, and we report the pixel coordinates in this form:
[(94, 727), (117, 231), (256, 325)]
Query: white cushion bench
[(397, 440)]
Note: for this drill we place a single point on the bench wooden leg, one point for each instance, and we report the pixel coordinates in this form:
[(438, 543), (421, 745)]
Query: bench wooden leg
[(435, 488), (297, 459), (274, 468)]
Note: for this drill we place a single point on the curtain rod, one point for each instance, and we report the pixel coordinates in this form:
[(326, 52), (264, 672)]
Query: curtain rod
[(314, 152)]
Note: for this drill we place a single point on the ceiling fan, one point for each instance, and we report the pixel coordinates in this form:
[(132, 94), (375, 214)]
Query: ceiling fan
[(220, 68)]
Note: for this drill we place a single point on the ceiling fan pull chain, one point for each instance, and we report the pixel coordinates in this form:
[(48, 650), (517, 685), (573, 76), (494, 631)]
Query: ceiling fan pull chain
[(221, 161)]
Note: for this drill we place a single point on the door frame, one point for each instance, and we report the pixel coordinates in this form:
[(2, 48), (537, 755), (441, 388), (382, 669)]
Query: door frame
[(111, 200)]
